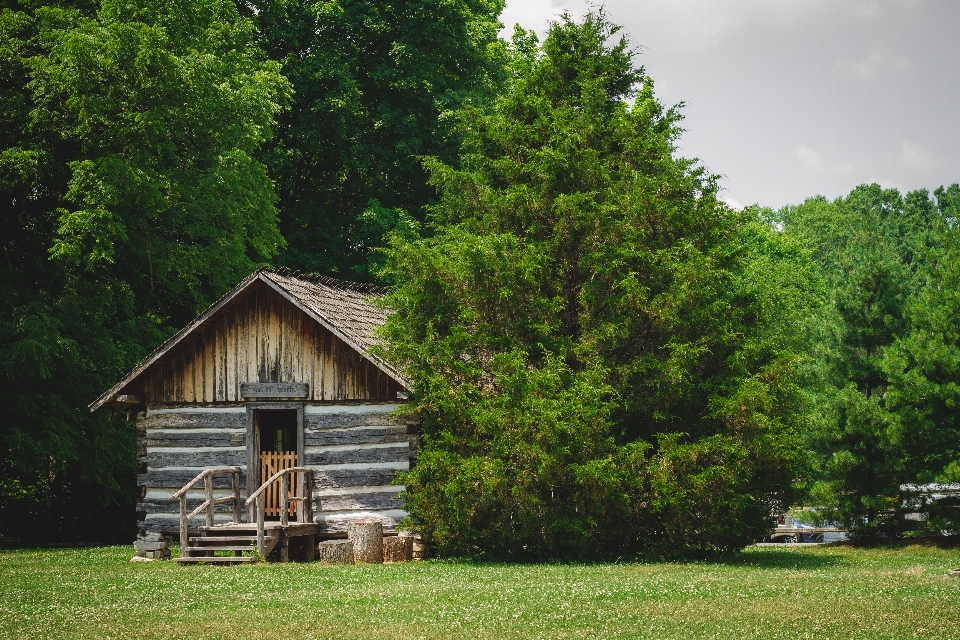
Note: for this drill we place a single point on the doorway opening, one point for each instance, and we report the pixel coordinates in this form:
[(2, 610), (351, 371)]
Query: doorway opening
[(277, 443)]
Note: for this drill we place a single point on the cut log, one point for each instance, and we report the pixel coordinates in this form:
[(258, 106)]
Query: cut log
[(397, 549), (335, 552), (367, 538)]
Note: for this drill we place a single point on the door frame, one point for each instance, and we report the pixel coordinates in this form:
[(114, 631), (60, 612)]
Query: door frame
[(253, 442)]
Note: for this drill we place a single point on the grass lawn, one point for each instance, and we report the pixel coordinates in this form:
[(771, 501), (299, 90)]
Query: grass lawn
[(822, 592)]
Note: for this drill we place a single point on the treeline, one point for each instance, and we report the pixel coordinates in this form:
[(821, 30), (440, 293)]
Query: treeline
[(884, 368), (606, 358)]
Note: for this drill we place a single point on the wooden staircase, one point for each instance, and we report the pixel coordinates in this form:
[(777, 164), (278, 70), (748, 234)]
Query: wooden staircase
[(256, 539), (239, 540)]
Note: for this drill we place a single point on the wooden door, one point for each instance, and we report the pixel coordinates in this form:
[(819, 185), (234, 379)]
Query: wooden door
[(270, 463)]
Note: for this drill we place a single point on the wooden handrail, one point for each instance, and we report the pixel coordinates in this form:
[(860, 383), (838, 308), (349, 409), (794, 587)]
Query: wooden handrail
[(304, 493), (273, 479), (203, 474), (209, 501)]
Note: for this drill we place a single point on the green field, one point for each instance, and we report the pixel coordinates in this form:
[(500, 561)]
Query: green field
[(824, 592)]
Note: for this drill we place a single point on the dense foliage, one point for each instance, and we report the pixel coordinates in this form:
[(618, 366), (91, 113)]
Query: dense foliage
[(374, 85), (604, 355), (132, 198)]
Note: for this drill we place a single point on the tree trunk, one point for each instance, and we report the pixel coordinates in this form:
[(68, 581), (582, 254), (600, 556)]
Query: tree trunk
[(335, 552), (397, 549), (367, 538)]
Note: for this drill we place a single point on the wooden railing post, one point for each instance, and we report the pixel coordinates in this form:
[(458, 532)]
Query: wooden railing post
[(208, 504), (305, 495), (184, 533), (260, 495), (208, 494), (299, 492), (235, 485), (285, 500), (261, 548), (309, 510)]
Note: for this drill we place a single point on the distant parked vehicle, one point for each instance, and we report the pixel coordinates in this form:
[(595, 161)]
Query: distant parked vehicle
[(790, 530), (800, 533)]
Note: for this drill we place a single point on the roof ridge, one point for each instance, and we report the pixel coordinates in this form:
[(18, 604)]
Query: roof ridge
[(329, 281)]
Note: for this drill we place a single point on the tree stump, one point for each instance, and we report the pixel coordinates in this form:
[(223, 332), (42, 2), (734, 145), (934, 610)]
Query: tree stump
[(335, 552), (397, 549), (367, 538)]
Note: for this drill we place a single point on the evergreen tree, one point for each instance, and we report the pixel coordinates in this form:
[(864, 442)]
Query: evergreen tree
[(923, 364), (603, 355), (871, 247)]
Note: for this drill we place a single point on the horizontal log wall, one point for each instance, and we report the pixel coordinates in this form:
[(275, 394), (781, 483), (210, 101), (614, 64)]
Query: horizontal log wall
[(264, 338), (354, 452), (178, 444)]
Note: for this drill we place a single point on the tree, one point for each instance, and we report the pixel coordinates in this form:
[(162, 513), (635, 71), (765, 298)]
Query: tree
[(133, 199), (375, 83), (871, 247), (923, 363), (596, 343)]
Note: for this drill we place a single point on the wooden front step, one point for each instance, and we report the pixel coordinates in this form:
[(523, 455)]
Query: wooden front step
[(237, 544)]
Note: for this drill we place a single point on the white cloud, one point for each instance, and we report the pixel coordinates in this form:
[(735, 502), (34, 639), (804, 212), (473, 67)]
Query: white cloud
[(696, 24), (913, 156), (809, 157), (872, 9), (536, 14), (873, 64), (681, 24), (704, 24), (815, 161), (841, 167), (731, 202)]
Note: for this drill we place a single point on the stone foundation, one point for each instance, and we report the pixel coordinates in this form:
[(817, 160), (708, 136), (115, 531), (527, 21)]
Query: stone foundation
[(153, 546)]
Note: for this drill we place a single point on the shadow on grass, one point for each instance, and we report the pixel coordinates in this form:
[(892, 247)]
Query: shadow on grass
[(940, 542), (769, 558), (779, 559)]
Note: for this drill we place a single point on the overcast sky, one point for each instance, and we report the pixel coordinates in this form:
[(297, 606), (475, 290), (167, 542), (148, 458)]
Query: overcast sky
[(792, 98)]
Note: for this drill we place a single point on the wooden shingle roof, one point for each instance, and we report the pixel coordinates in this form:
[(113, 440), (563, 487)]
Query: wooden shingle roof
[(352, 312)]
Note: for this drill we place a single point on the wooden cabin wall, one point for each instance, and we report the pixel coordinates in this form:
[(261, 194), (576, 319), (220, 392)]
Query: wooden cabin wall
[(355, 452), (176, 445), (265, 338)]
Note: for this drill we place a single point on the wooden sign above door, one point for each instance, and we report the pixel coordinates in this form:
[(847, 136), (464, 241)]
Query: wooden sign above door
[(274, 389)]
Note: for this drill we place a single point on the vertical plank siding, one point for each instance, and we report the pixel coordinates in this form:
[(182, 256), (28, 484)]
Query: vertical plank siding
[(265, 338)]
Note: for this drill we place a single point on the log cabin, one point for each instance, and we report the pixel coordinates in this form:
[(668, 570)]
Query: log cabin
[(277, 374)]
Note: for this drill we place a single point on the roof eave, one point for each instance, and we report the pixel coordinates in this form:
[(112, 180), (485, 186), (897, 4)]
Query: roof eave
[(108, 396)]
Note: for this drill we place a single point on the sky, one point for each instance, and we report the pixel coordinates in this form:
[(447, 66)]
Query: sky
[(788, 99)]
